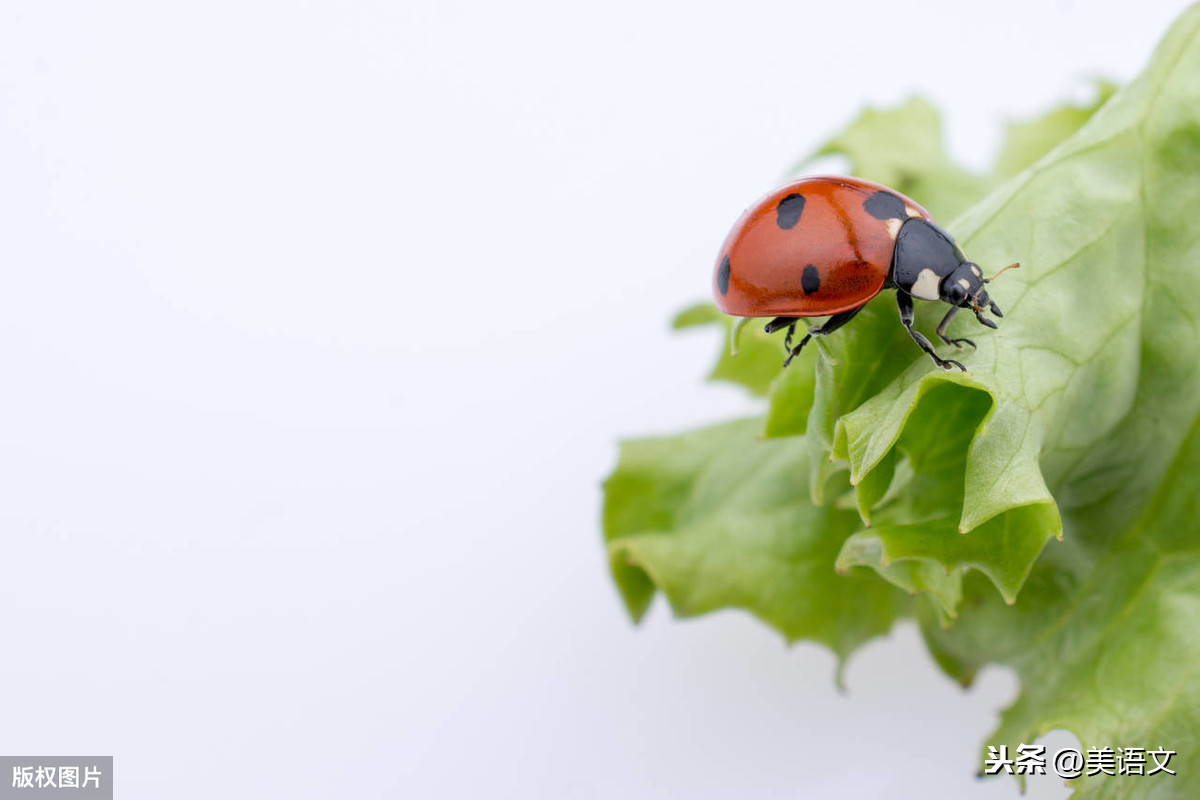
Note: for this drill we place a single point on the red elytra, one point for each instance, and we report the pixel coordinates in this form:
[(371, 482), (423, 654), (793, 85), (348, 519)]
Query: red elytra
[(810, 249)]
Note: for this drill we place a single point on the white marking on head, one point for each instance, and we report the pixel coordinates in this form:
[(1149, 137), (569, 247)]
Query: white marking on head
[(893, 226), (912, 212), (963, 282), (975, 269), (925, 286)]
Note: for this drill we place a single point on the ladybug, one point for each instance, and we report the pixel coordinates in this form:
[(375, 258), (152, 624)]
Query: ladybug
[(824, 246)]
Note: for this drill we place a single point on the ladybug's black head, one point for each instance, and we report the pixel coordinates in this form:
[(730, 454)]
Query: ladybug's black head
[(964, 288)]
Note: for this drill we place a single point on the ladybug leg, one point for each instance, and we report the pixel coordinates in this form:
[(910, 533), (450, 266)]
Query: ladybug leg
[(984, 320), (795, 351), (831, 325), (905, 304), (780, 322), (941, 330)]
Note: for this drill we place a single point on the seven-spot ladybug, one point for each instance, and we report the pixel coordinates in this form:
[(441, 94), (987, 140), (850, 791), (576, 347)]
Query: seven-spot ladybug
[(825, 246)]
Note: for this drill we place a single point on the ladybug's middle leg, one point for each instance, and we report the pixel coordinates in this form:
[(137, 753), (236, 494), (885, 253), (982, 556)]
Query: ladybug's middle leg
[(941, 330), (831, 325), (905, 303)]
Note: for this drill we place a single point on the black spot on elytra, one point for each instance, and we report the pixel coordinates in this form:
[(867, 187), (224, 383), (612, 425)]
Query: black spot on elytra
[(788, 212), (810, 280), (885, 205), (723, 276)]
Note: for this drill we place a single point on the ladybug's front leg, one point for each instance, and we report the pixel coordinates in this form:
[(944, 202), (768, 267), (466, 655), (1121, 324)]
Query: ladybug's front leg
[(941, 330), (905, 303)]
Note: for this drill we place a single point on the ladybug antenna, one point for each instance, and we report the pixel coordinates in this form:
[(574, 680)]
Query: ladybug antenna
[(1001, 272)]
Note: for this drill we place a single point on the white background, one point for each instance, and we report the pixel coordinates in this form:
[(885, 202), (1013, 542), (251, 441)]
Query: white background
[(318, 324)]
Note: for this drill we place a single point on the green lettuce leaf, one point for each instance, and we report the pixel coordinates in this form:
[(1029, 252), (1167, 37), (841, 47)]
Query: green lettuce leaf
[(940, 491), (1104, 635), (718, 518)]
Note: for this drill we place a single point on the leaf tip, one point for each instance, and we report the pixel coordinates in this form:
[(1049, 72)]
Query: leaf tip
[(839, 676), (735, 334)]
